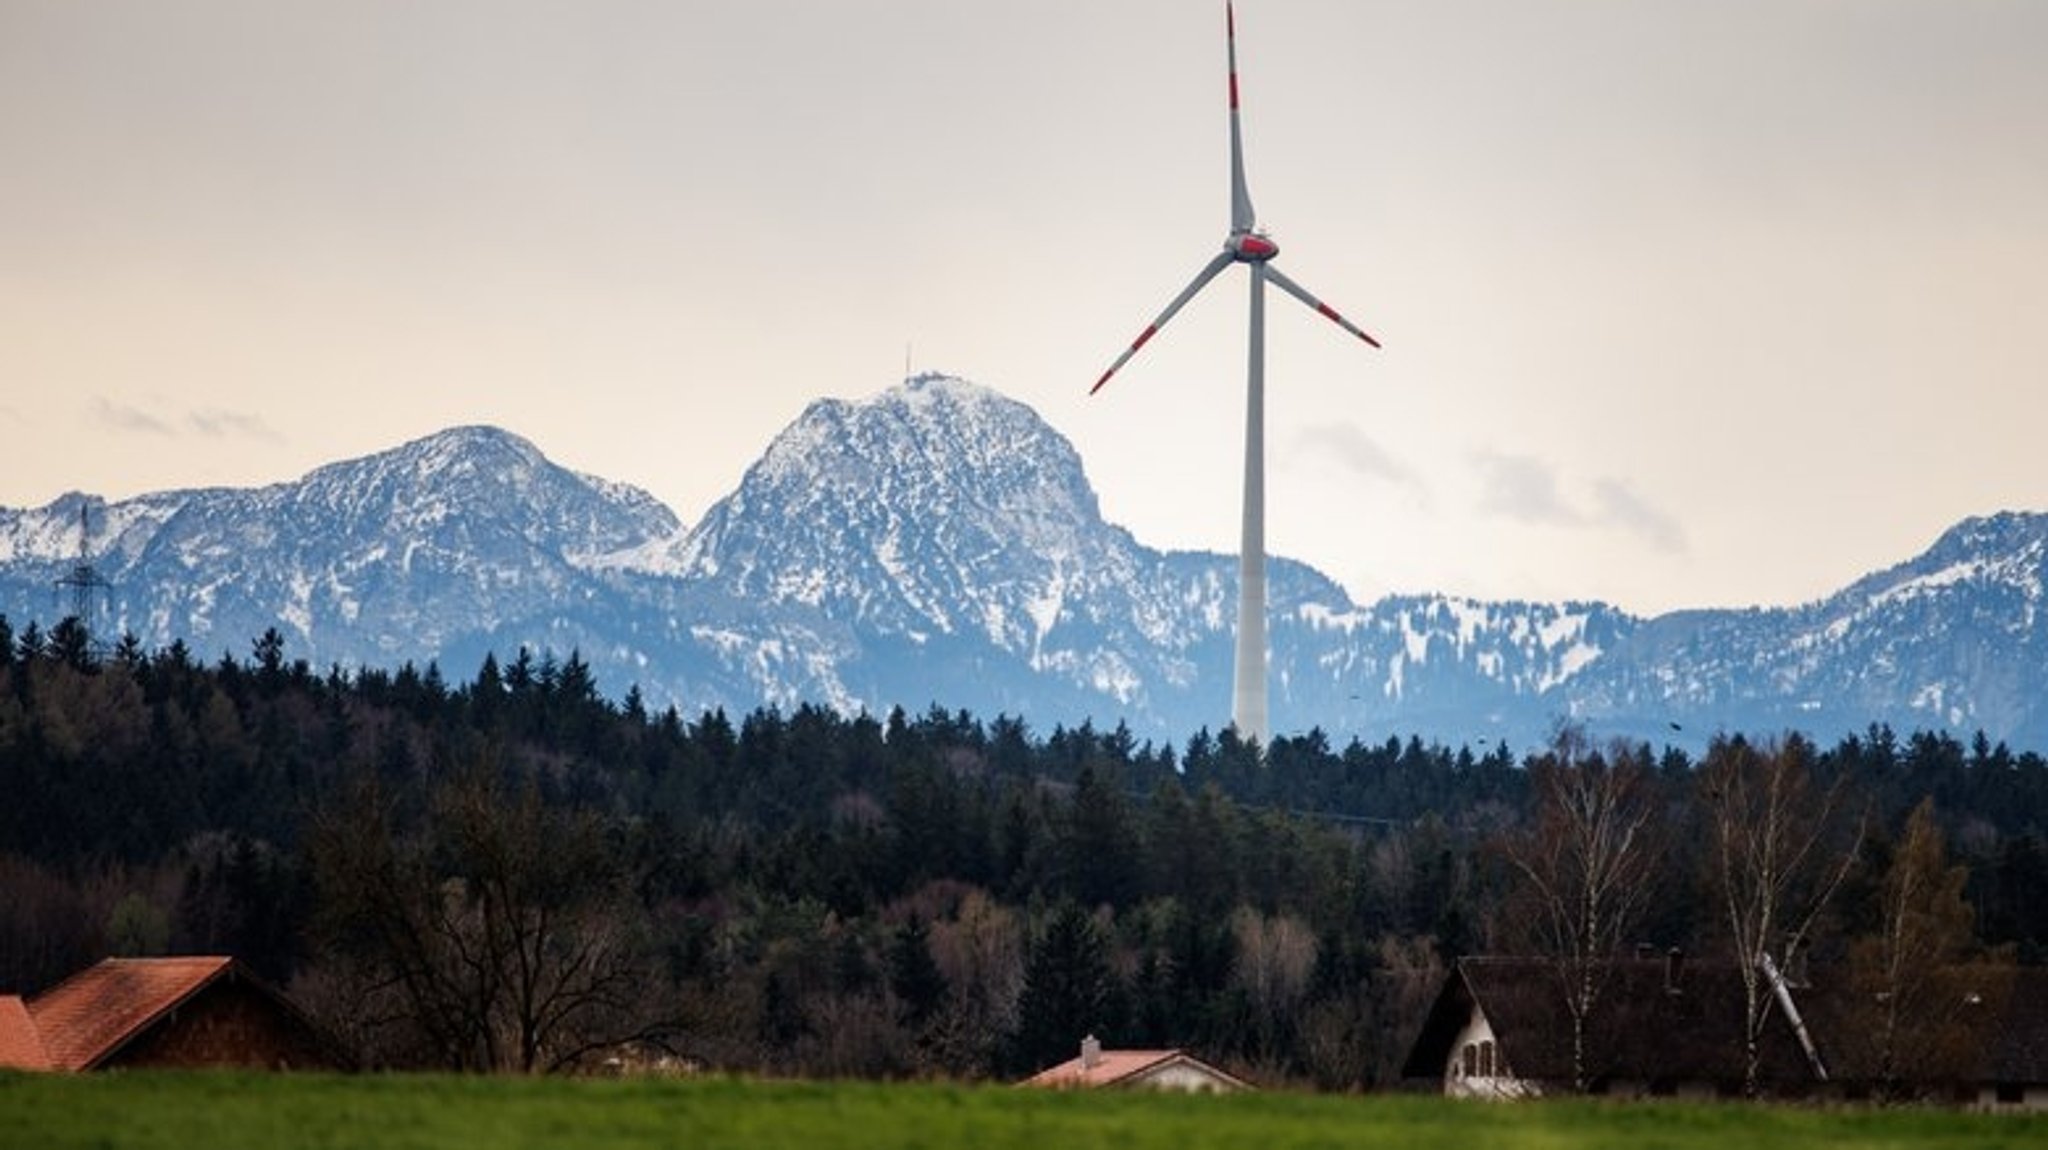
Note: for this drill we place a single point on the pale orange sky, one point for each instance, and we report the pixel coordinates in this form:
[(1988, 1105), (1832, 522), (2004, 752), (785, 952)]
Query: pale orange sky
[(1684, 303)]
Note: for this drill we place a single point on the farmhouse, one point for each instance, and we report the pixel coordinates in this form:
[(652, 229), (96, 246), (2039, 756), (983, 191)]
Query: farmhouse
[(1499, 1028), (1170, 1070), (2010, 1070), (1976, 1036), (189, 1011)]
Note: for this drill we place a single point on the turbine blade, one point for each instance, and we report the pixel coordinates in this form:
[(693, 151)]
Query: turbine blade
[(1242, 218), (1202, 278), (1321, 308)]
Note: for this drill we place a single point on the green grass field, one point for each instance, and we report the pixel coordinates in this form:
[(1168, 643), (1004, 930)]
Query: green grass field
[(220, 1111)]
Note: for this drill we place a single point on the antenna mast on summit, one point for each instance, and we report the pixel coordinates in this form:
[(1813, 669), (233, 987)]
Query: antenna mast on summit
[(84, 579)]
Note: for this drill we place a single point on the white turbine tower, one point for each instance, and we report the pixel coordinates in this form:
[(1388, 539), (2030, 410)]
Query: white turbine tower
[(1251, 247)]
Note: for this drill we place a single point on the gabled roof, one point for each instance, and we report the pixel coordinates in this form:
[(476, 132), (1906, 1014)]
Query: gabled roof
[(21, 1044), (97, 1011), (1116, 1067), (1975, 1022), (1657, 1020)]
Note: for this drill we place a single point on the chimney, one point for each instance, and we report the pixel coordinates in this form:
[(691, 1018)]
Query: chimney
[(1674, 964), (1091, 1052)]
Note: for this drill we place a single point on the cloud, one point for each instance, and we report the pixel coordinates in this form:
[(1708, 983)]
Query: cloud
[(217, 424), (121, 417), (1527, 490), (1623, 508), (1356, 452), (213, 423)]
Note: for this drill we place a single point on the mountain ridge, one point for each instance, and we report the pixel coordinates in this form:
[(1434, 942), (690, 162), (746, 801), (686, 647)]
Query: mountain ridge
[(940, 544)]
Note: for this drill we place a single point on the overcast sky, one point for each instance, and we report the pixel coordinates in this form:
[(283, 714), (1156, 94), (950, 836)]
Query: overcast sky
[(1683, 303)]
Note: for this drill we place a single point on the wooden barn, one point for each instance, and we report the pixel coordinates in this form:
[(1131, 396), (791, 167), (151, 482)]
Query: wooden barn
[(186, 1012)]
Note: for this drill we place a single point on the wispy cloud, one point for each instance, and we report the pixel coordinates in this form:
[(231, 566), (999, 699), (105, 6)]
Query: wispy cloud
[(1623, 508), (1523, 488), (210, 422), (1355, 451), (1527, 490), (121, 417), (218, 424)]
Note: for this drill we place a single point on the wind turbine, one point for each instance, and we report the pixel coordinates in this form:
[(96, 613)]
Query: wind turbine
[(1249, 246)]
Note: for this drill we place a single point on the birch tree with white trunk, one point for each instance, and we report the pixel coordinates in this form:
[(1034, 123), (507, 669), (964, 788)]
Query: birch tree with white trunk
[(1783, 841), (1586, 861)]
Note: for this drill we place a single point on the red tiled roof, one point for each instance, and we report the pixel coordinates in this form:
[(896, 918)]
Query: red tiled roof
[(95, 1012), (1115, 1066), (21, 1046)]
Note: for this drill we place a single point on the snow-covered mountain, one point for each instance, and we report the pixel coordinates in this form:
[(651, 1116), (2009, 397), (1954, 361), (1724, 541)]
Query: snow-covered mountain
[(939, 544), (1954, 639), (401, 555)]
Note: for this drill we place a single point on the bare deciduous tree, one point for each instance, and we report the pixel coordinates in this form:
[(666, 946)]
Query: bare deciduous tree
[(980, 951), (1586, 860), (499, 934), (1275, 958), (1783, 841)]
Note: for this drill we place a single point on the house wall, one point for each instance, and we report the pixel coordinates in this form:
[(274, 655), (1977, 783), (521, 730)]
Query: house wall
[(2031, 1100), (1478, 1069), (227, 1024), (1630, 1088)]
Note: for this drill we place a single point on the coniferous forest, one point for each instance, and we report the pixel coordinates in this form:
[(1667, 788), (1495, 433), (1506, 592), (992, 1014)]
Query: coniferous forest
[(518, 871)]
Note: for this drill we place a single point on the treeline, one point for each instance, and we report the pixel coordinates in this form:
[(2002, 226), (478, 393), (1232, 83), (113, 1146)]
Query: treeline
[(516, 872)]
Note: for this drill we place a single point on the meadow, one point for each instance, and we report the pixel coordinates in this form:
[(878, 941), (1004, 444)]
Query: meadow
[(229, 1111)]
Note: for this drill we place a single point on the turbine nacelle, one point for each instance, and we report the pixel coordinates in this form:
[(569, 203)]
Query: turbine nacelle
[(1250, 247)]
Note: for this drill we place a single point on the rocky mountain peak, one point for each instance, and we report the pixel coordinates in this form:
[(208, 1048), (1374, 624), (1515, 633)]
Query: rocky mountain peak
[(926, 491)]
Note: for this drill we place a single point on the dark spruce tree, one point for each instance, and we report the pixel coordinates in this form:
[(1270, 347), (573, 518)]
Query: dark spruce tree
[(1070, 990)]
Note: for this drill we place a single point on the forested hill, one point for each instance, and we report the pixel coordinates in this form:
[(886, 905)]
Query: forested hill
[(806, 891)]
